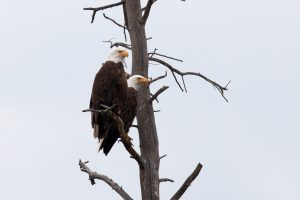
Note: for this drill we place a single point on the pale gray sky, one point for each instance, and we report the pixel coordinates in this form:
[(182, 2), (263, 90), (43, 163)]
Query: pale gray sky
[(249, 147)]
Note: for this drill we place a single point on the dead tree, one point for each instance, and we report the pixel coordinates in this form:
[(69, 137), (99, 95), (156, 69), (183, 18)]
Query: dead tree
[(135, 19)]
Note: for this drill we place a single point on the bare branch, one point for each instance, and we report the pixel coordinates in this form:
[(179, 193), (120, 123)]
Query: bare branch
[(125, 19), (143, 9), (95, 10), (162, 156), (106, 179), (124, 32), (151, 55), (162, 55), (106, 110), (116, 44), (161, 90), (151, 95), (158, 78), (116, 23), (183, 83), (134, 126), (220, 88), (127, 142), (155, 64), (147, 11), (125, 14), (165, 180), (187, 183), (173, 73), (124, 137)]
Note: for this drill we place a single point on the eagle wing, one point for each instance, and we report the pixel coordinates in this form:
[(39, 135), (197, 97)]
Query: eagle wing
[(129, 109), (110, 87), (128, 113)]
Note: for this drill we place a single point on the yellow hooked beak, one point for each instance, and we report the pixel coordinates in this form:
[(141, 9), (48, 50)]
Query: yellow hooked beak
[(143, 80), (124, 53)]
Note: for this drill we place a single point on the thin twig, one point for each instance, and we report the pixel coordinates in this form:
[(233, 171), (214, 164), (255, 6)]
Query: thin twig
[(165, 180), (173, 73), (114, 21), (125, 14), (157, 78), (187, 183), (124, 32), (151, 95), (161, 157), (161, 90), (95, 10), (116, 44), (155, 64), (94, 175), (165, 56), (135, 126), (220, 88), (183, 83), (106, 110), (152, 54)]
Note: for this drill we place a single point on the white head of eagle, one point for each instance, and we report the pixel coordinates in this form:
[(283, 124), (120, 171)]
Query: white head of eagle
[(117, 55), (136, 81)]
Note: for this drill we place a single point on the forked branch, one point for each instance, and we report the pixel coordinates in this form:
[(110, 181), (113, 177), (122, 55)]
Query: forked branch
[(187, 183), (220, 88), (95, 10), (147, 11), (94, 175)]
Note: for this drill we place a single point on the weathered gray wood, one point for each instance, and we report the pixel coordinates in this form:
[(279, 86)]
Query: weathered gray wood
[(187, 183), (149, 177), (94, 175)]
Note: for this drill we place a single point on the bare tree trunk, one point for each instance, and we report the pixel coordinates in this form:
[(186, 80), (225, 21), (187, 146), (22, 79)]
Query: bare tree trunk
[(149, 177), (149, 159)]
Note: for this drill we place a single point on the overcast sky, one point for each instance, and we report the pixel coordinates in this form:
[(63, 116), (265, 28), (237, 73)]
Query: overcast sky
[(249, 147)]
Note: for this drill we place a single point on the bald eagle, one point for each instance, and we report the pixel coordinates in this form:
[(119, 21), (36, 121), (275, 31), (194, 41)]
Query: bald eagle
[(128, 111), (109, 88)]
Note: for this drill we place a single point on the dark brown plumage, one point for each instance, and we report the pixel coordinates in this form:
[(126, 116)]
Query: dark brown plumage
[(109, 88), (128, 111), (127, 115)]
